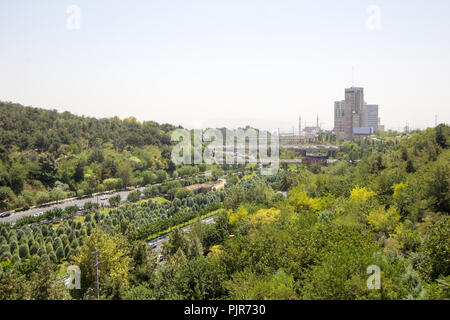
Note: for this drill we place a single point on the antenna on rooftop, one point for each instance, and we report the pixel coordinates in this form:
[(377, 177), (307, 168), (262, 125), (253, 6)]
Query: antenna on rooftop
[(353, 76)]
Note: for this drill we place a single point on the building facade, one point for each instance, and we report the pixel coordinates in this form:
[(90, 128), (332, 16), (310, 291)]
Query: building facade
[(353, 117), (370, 116), (354, 102), (339, 111)]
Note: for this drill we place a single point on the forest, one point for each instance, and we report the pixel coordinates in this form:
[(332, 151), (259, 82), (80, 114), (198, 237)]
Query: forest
[(49, 156), (384, 203)]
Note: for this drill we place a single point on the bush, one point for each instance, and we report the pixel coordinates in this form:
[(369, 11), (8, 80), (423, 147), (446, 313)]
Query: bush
[(183, 193), (42, 197), (134, 196), (114, 201)]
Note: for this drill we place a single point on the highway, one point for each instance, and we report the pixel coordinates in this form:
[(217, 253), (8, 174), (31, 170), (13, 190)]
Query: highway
[(75, 202), (157, 242), (80, 202)]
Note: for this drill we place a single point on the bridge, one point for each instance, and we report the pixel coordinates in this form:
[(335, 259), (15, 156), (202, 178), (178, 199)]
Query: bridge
[(309, 160), (330, 149), (254, 147), (238, 152)]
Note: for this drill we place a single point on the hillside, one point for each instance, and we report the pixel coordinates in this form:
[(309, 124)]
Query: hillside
[(46, 155)]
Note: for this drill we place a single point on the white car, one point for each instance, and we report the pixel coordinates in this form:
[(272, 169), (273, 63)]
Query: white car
[(103, 198), (37, 214)]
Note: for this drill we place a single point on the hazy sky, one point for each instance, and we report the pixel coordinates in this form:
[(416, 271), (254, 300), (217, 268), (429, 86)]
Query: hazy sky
[(227, 63)]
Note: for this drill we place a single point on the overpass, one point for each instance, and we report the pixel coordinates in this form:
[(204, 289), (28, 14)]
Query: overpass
[(302, 149)]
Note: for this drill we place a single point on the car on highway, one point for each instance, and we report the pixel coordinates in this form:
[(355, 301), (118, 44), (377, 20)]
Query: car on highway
[(37, 214), (80, 208), (103, 198), (5, 214), (154, 246), (160, 257)]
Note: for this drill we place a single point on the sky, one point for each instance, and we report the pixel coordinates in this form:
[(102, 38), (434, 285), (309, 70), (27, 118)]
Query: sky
[(230, 62)]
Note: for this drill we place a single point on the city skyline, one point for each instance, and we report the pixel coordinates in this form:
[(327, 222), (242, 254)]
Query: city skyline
[(227, 65)]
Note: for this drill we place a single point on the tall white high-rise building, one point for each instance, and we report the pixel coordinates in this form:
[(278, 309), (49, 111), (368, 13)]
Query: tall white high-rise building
[(339, 110), (353, 117), (354, 101), (370, 116)]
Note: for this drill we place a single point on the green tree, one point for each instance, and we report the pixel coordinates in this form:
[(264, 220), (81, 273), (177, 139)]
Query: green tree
[(17, 175), (114, 264), (161, 175), (217, 172), (134, 196), (249, 286), (24, 252), (114, 201), (125, 172), (60, 254), (183, 193), (436, 249)]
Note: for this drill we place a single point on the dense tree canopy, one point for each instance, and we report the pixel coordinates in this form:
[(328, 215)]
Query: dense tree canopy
[(48, 156), (384, 205)]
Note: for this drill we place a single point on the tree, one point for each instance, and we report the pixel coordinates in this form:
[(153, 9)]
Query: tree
[(43, 286), (14, 287), (217, 172), (24, 252), (114, 201), (196, 279), (182, 193), (125, 172), (342, 275), (134, 196), (58, 194), (141, 292), (442, 134), (112, 183), (383, 220), (47, 169), (436, 249), (143, 263), (148, 177), (17, 175), (177, 240), (60, 254), (8, 199), (113, 266), (247, 285), (42, 197), (161, 175)]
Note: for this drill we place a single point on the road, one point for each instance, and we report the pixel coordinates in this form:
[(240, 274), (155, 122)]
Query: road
[(80, 202), (157, 242), (76, 202)]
